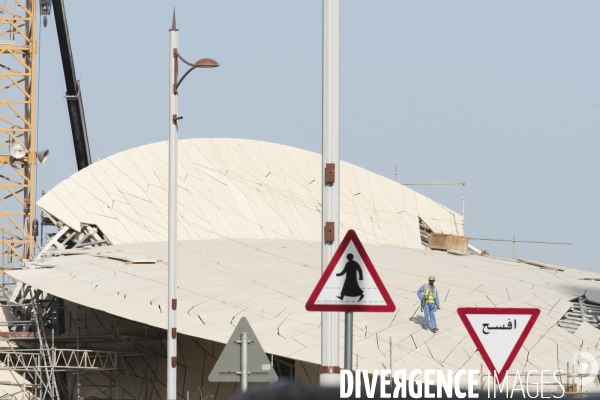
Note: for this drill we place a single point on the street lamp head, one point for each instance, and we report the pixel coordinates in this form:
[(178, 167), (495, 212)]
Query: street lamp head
[(206, 63), (202, 63)]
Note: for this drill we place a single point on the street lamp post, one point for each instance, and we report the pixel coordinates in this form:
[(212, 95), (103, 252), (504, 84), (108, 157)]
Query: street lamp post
[(174, 83), (330, 331)]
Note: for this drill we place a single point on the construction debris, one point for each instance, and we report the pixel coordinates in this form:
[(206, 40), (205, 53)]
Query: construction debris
[(541, 265), (442, 241), (459, 253)]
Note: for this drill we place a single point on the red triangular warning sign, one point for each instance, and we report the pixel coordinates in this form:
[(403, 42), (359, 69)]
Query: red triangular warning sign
[(355, 285), (498, 334)]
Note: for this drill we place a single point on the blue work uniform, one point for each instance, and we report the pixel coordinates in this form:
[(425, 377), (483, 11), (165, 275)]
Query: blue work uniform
[(432, 300)]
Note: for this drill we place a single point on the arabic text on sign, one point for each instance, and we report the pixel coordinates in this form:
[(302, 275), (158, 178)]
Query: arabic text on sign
[(509, 326)]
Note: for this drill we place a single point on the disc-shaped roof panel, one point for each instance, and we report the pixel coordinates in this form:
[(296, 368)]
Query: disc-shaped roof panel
[(236, 188), (269, 282)]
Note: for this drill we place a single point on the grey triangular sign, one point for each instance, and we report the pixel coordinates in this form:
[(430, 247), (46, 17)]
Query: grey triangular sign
[(228, 366)]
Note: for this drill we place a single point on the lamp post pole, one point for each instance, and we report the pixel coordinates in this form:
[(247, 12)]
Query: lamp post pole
[(172, 224), (330, 359), (174, 116)]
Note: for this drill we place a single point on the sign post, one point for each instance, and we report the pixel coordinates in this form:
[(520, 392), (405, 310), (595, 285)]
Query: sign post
[(348, 339), (350, 283), (498, 334), (243, 359)]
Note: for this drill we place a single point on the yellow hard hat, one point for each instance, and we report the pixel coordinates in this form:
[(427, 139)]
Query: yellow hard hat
[(431, 278)]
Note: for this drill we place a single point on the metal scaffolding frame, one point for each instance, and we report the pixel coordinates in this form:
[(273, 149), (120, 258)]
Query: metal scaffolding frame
[(69, 239), (581, 310), (53, 367)]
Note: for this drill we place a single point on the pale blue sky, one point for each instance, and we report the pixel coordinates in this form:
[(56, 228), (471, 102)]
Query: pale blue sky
[(502, 95)]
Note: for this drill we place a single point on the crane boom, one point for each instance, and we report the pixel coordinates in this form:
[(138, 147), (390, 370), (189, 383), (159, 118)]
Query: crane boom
[(73, 94)]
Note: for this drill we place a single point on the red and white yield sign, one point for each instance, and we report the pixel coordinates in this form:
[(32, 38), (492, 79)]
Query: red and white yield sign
[(498, 333), (350, 282)]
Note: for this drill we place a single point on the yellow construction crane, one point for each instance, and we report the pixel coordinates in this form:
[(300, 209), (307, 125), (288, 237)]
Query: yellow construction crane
[(18, 156)]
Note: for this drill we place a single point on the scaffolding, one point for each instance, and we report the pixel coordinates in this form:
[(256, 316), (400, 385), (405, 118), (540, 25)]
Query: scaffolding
[(69, 239), (43, 365), (582, 310)]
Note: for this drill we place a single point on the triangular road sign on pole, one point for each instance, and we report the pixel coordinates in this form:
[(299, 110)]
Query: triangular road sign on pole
[(498, 334), (350, 282), (230, 364)]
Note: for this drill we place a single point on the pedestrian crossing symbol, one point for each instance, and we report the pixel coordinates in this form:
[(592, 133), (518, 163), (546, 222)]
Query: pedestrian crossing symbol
[(350, 283)]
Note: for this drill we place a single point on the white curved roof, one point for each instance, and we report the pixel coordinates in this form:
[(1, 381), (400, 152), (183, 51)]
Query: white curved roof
[(240, 202), (235, 188), (269, 281)]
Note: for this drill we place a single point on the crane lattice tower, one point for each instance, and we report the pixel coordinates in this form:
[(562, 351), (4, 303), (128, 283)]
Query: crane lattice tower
[(17, 128)]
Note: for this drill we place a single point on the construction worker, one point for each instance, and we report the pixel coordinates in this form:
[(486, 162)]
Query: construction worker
[(430, 301)]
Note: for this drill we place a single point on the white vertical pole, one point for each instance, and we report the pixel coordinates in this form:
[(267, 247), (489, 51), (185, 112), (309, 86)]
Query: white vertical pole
[(172, 257), (463, 206), (514, 240), (244, 362), (348, 337), (391, 360), (330, 370)]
